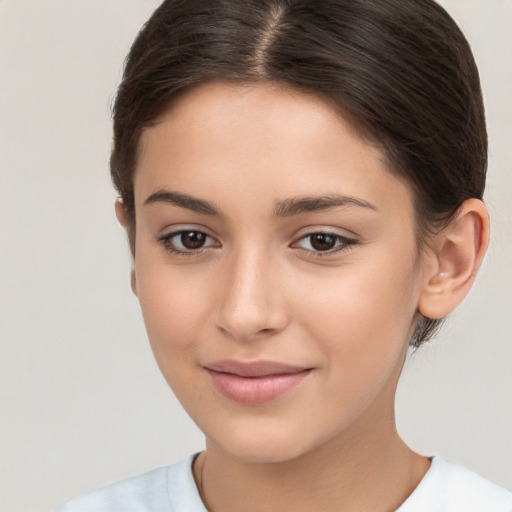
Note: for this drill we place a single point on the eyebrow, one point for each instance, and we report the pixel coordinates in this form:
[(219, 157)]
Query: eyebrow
[(284, 208), (295, 206), (184, 201)]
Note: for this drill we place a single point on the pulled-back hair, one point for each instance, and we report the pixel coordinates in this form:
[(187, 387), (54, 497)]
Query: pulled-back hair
[(400, 71)]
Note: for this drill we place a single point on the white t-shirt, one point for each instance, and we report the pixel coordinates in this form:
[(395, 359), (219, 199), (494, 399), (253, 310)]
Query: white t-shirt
[(444, 488)]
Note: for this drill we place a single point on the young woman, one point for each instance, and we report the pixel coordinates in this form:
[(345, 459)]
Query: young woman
[(301, 183)]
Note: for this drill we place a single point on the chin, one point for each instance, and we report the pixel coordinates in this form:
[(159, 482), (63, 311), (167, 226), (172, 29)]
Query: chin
[(263, 453), (262, 443)]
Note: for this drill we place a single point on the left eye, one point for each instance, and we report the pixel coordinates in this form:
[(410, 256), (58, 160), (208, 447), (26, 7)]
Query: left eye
[(323, 242)]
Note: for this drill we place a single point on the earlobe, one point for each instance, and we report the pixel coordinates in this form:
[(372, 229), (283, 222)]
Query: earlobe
[(456, 256)]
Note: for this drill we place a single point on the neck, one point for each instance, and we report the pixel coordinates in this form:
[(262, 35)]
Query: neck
[(362, 469)]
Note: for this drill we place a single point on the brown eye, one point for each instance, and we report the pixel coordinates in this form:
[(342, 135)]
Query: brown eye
[(322, 241), (328, 243), (187, 242), (192, 239)]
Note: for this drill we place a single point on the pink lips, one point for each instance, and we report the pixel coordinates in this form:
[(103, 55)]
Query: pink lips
[(254, 383)]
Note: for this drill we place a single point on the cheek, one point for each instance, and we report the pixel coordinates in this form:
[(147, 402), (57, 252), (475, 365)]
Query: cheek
[(361, 325), (363, 312), (173, 306)]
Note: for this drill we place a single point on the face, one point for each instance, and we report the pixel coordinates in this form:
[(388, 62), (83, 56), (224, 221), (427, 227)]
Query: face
[(276, 267)]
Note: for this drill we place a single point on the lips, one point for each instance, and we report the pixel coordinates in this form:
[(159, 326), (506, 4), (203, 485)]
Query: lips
[(256, 382)]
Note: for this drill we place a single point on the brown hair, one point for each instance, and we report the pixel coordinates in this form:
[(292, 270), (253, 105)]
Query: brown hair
[(401, 70)]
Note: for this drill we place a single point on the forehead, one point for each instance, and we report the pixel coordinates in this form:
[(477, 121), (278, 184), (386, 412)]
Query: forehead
[(220, 139), (256, 109)]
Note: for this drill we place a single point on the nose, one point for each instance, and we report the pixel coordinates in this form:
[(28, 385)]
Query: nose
[(253, 302)]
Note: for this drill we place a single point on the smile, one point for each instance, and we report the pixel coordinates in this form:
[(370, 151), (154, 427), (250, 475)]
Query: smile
[(254, 383)]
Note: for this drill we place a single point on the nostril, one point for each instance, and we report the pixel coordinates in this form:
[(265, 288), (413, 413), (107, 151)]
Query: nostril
[(251, 328)]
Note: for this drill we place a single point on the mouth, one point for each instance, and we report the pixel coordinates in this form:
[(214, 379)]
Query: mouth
[(254, 383)]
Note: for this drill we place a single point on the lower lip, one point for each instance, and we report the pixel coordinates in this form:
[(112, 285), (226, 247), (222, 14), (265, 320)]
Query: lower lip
[(255, 390)]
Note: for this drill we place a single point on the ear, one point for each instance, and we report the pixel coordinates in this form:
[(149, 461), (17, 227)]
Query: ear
[(454, 260), (121, 218), (120, 212), (133, 281)]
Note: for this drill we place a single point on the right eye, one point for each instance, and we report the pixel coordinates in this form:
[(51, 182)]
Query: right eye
[(187, 241)]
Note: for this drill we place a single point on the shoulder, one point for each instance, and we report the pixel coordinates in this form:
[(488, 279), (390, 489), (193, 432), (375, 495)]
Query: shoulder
[(453, 488), (469, 491), (164, 489)]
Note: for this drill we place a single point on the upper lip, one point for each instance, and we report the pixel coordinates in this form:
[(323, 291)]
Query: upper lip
[(259, 368)]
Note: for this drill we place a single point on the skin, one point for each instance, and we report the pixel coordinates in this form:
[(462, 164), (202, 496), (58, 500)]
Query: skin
[(258, 290)]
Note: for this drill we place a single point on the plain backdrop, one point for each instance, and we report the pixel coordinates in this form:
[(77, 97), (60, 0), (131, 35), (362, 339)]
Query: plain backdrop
[(82, 401)]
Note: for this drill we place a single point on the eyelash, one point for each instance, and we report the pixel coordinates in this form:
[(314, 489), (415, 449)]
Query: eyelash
[(169, 245), (344, 243)]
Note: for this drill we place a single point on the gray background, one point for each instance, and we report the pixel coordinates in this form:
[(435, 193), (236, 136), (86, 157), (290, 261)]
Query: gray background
[(82, 401)]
